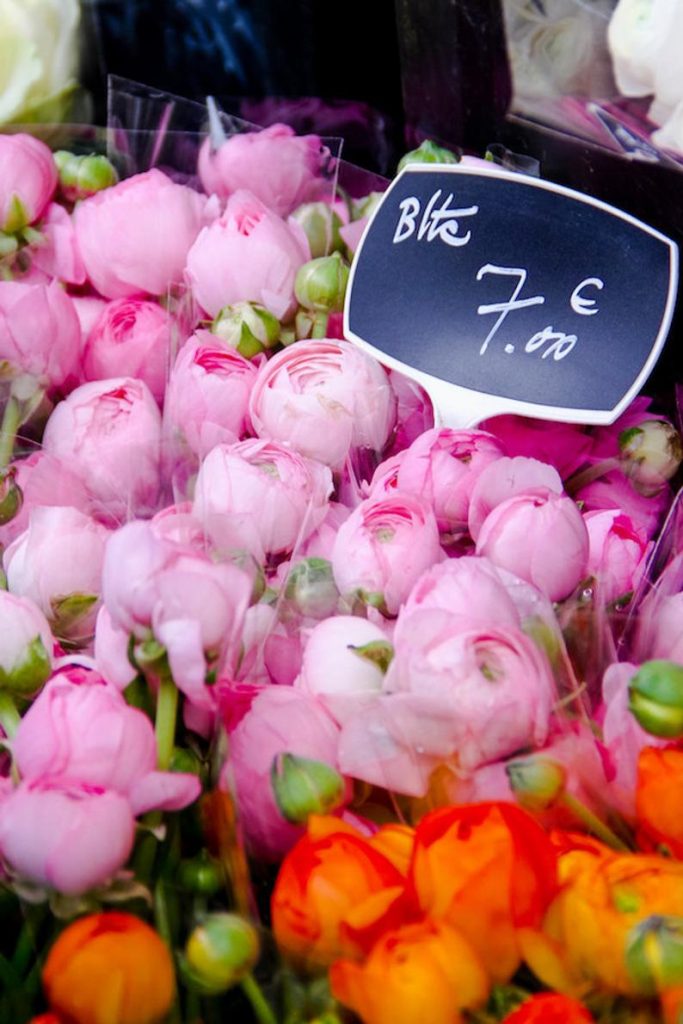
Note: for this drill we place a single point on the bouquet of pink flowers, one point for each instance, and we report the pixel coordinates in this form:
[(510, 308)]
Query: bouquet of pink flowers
[(350, 716)]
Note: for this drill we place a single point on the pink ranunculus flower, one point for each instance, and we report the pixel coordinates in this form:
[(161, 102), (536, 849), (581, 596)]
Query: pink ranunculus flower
[(321, 541), (324, 398), (617, 553), (261, 496), (40, 334), (193, 605), (109, 432), (442, 466), (505, 478), (135, 236), (81, 728), (332, 670), (65, 835), (43, 480), (281, 719), (541, 538), (89, 308), (384, 547), (57, 563), (131, 338), (28, 179), (565, 446), (207, 398), (615, 491), (464, 699), (248, 255), (279, 167), (26, 644), (57, 253)]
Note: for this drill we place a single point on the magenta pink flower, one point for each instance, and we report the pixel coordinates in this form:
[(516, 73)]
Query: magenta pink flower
[(541, 538), (617, 553), (563, 445), (279, 167), (248, 255), (384, 547), (130, 338), (324, 398), (28, 179), (135, 236)]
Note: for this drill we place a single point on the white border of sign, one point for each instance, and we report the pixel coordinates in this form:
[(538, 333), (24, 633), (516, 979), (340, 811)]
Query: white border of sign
[(456, 406)]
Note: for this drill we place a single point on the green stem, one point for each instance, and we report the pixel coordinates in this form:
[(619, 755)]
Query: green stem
[(593, 823), (11, 421), (10, 718), (167, 709), (591, 473), (259, 1004), (162, 921), (26, 946)]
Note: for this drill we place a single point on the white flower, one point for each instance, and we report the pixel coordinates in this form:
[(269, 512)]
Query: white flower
[(645, 39), (38, 54)]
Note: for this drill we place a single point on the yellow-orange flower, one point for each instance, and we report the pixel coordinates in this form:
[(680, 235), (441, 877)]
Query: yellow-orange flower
[(488, 870), (109, 969), (333, 887), (659, 798), (424, 971), (582, 945), (549, 1008)]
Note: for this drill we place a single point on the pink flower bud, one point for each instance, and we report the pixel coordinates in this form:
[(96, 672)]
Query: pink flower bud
[(28, 179), (109, 432), (40, 333), (324, 398), (279, 167), (131, 338), (541, 538), (135, 236), (248, 255), (617, 554)]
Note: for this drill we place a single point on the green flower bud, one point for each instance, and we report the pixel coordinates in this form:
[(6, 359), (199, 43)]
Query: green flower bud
[(83, 176), (654, 954), (184, 760), (17, 217), (320, 284), (248, 327), (651, 453), (303, 787), (537, 782), (8, 245), (310, 587), (656, 698), (201, 875), (11, 496), (321, 225), (221, 951), (68, 614), (366, 206), (428, 153), (27, 675)]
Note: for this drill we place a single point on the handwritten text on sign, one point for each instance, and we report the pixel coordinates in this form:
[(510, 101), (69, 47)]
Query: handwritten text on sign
[(464, 273)]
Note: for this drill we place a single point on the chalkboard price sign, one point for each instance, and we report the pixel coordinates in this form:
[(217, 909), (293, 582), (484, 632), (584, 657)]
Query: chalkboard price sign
[(503, 293)]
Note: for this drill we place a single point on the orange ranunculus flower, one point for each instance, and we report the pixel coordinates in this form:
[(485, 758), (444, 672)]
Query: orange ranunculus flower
[(333, 892), (672, 1005), (659, 799), (550, 1008), (109, 969), (582, 945), (418, 972), (488, 869), (396, 843)]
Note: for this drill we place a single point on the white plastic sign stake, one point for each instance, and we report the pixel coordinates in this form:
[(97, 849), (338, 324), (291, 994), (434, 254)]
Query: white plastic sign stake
[(502, 293)]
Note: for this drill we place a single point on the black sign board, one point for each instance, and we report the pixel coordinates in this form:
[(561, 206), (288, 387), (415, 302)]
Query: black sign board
[(504, 293)]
